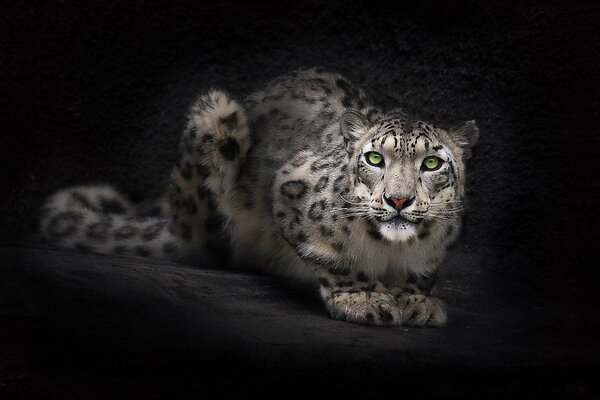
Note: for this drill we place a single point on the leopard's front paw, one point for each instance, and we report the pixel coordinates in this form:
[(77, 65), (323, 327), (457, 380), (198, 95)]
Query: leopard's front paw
[(367, 308), (420, 310)]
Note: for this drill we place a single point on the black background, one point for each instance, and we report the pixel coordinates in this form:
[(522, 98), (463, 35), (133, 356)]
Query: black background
[(97, 92)]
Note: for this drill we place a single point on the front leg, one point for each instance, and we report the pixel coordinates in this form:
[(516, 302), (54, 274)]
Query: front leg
[(353, 297), (417, 306)]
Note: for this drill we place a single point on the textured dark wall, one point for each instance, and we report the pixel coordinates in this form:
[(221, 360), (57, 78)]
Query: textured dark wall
[(97, 91)]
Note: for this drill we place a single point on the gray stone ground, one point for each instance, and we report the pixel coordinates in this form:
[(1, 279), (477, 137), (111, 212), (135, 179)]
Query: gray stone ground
[(71, 319)]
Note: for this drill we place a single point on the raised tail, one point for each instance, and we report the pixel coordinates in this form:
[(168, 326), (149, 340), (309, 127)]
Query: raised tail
[(100, 220), (191, 225)]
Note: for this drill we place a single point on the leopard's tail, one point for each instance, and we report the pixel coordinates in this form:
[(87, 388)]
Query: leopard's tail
[(99, 219)]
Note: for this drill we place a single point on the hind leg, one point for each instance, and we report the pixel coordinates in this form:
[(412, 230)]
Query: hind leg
[(213, 147)]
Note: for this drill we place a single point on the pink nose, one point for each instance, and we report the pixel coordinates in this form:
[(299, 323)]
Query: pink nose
[(398, 203)]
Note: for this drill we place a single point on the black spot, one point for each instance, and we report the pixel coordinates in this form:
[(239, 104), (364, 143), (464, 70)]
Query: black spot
[(423, 234), (112, 206), (425, 285), (346, 102), (321, 184), (149, 211), (338, 271), (294, 189), (64, 224), (346, 230), (229, 148), (202, 171), (317, 210), (342, 84), (326, 231), (203, 192), (99, 231), (153, 231), (213, 224), (301, 237), (280, 214), (186, 170), (169, 248), (338, 183), (374, 233), (324, 282), (230, 122), (411, 279), (212, 205), (370, 316), (208, 138), (361, 276), (436, 148), (80, 200), (125, 232), (345, 283), (338, 246), (368, 288), (296, 220), (143, 251), (449, 230), (319, 164), (190, 206), (408, 290), (385, 315)]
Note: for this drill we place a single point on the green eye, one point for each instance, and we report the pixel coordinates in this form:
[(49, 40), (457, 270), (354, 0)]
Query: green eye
[(432, 163), (374, 158)]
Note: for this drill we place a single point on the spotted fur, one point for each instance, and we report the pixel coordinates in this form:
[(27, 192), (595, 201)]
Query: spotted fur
[(283, 180)]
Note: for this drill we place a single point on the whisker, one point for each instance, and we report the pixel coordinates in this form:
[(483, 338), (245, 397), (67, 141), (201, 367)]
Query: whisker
[(351, 202)]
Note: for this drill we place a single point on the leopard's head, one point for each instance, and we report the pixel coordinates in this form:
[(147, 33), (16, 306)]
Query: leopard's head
[(405, 172)]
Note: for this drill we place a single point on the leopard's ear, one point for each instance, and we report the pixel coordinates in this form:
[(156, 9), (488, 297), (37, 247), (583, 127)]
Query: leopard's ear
[(465, 135), (353, 125)]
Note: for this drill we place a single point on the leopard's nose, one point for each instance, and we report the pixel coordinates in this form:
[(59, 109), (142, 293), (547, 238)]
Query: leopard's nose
[(397, 202)]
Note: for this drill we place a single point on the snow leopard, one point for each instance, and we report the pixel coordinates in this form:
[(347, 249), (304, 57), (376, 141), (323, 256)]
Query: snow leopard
[(305, 179)]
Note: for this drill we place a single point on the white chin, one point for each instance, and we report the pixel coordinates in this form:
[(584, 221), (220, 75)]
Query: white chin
[(397, 231)]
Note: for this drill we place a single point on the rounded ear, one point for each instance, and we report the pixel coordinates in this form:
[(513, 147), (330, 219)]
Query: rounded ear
[(353, 125), (465, 135)]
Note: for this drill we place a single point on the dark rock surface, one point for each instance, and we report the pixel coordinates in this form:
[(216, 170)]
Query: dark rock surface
[(77, 319), (97, 92)]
